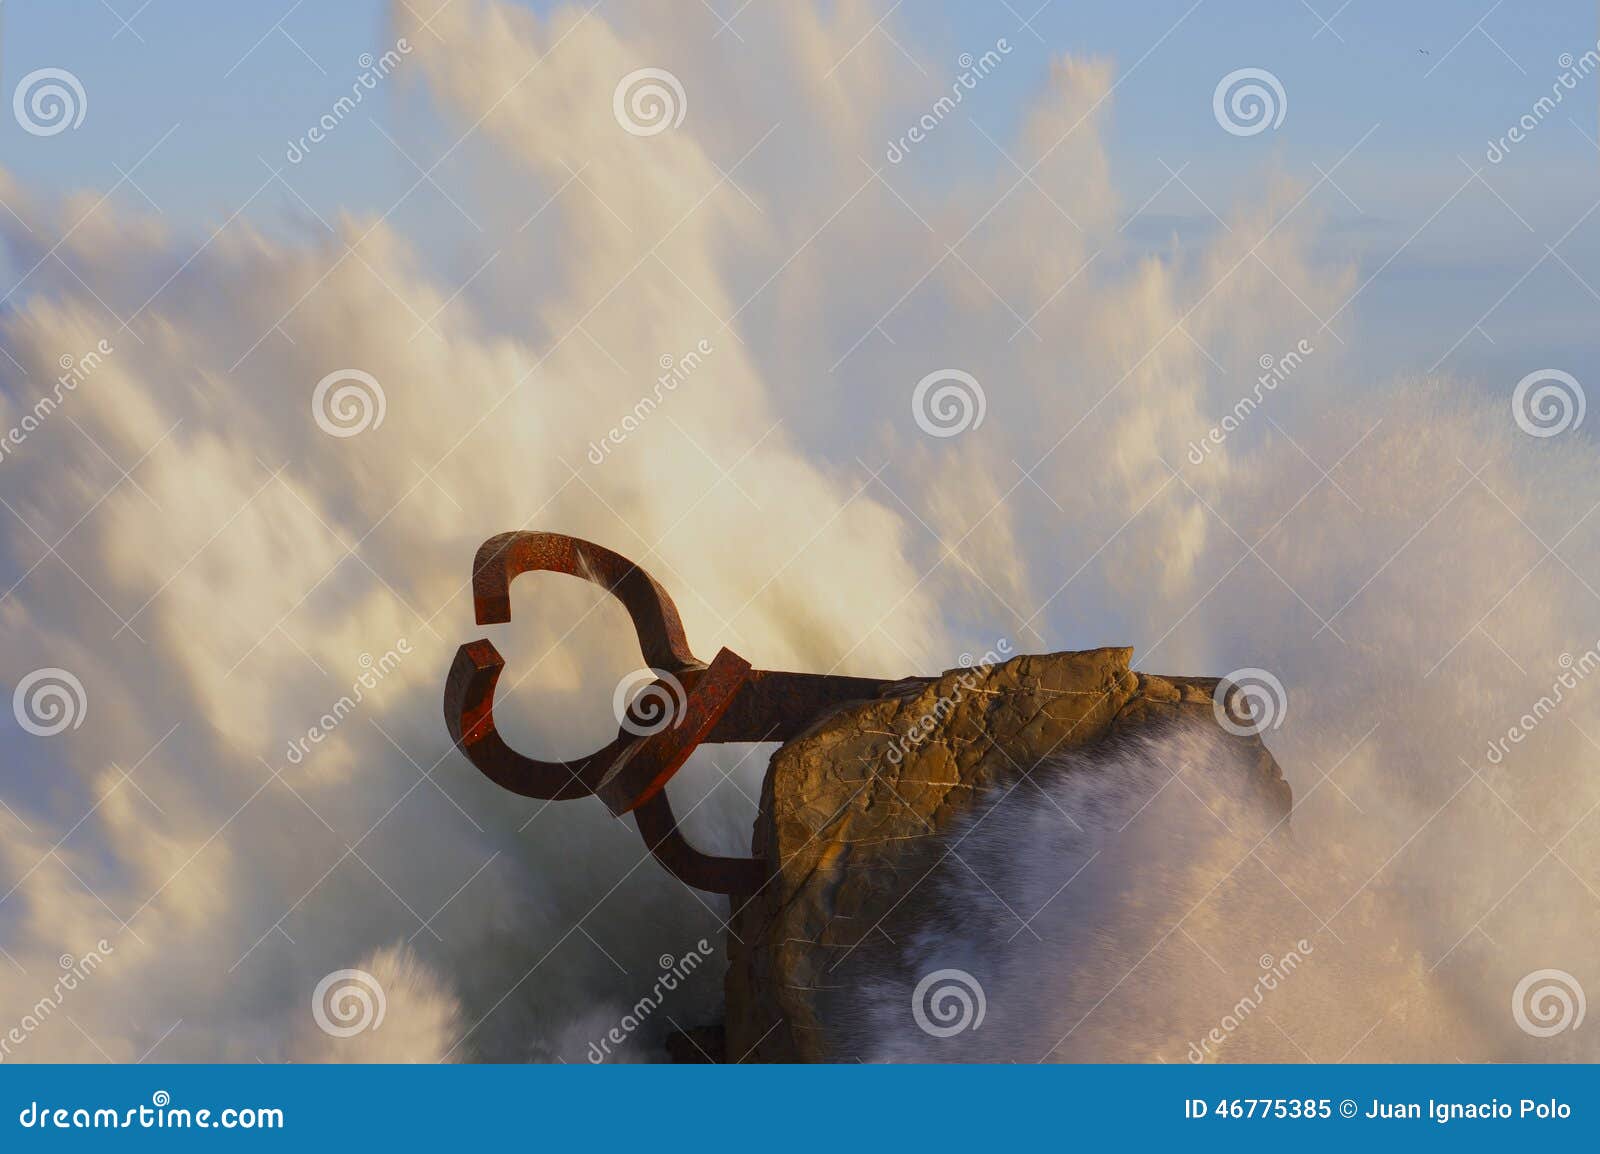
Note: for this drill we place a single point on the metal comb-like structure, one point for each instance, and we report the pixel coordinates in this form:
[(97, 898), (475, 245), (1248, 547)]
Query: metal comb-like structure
[(726, 700)]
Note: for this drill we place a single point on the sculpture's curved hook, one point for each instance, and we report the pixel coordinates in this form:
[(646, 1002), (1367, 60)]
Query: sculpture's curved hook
[(718, 875), (629, 774), (469, 689), (655, 618), (469, 716), (626, 773)]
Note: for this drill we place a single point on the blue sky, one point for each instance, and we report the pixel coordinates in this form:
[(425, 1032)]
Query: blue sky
[(244, 554), (1439, 79)]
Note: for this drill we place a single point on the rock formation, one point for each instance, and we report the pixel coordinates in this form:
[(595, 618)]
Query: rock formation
[(851, 812)]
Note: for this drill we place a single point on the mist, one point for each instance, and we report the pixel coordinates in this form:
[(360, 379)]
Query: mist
[(217, 560)]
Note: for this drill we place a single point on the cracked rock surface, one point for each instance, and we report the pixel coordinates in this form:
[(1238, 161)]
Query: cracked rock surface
[(851, 812)]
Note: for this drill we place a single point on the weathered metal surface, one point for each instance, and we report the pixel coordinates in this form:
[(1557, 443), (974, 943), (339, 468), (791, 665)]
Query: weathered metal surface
[(777, 706), (469, 715), (725, 701), (703, 871), (640, 771), (655, 618)]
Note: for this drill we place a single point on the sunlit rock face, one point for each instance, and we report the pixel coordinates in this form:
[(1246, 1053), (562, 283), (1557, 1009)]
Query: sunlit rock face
[(935, 825)]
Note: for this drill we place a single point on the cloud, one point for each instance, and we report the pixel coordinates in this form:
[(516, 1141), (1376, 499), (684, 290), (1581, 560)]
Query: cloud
[(219, 600), (425, 1026)]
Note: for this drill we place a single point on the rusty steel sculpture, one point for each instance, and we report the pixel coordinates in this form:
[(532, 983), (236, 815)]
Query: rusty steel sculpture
[(726, 700)]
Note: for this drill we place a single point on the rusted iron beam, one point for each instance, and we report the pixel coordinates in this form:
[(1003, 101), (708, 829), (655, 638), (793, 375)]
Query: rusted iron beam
[(721, 702)]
